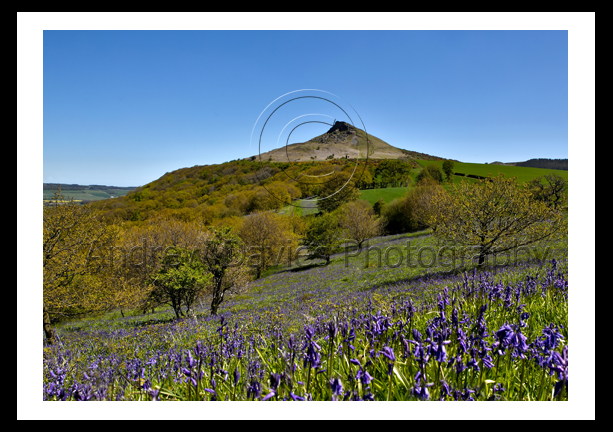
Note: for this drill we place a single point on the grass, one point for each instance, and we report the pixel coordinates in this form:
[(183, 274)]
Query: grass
[(523, 174), (387, 194)]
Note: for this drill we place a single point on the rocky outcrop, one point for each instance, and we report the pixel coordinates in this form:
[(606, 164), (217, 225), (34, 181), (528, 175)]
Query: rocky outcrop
[(342, 127), (339, 133)]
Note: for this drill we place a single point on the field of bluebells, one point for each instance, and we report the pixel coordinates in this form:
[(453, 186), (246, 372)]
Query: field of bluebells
[(337, 333)]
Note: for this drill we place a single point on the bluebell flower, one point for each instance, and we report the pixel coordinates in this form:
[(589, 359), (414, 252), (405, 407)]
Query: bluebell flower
[(254, 389), (560, 366), (295, 397), (441, 353), (364, 376), (388, 353), (337, 386), (269, 395), (275, 379)]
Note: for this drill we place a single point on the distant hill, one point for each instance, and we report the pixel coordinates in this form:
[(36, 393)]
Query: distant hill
[(557, 164), (84, 193), (343, 140), (221, 192)]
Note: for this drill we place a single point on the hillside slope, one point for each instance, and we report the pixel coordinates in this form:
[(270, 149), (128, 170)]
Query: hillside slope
[(342, 141)]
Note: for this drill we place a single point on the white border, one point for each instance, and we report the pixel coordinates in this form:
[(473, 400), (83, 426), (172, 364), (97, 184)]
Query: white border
[(581, 27)]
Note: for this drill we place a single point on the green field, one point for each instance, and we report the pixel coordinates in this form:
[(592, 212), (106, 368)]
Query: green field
[(388, 194), (523, 174)]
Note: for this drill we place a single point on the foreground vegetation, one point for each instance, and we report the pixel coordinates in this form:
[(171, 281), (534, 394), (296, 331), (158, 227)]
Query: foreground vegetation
[(467, 301), (368, 334)]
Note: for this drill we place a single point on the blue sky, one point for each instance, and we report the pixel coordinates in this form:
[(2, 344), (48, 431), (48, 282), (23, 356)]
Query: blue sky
[(124, 107)]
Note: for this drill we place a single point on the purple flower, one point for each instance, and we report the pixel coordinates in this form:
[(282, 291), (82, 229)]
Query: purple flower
[(312, 357), (505, 333), (441, 353), (237, 375), (422, 392), (519, 342), (275, 379), (488, 362), (498, 388), (505, 336), (190, 359), (295, 397), (254, 389), (269, 395), (332, 330), (213, 392), (445, 389), (552, 337), (466, 395), (290, 343), (154, 394), (560, 366), (337, 386), (364, 376), (388, 353)]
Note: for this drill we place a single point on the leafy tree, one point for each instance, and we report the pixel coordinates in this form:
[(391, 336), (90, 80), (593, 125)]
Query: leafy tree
[(378, 206), (492, 216), (337, 191), (138, 256), (420, 202), (358, 221), (393, 172), (411, 212), (430, 171), (270, 197), (222, 257), (76, 245), (323, 237), (550, 188), (364, 178), (180, 280), (448, 167), (398, 216)]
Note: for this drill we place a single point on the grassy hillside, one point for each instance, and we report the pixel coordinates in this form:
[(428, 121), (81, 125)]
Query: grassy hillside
[(339, 142), (388, 194), (523, 174), (236, 188), (332, 317)]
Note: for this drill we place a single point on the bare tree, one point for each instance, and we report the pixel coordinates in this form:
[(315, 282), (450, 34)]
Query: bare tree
[(271, 239)]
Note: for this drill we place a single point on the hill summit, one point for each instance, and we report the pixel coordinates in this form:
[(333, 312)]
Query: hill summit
[(341, 141)]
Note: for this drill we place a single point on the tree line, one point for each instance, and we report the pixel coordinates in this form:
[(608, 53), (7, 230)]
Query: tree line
[(240, 187)]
